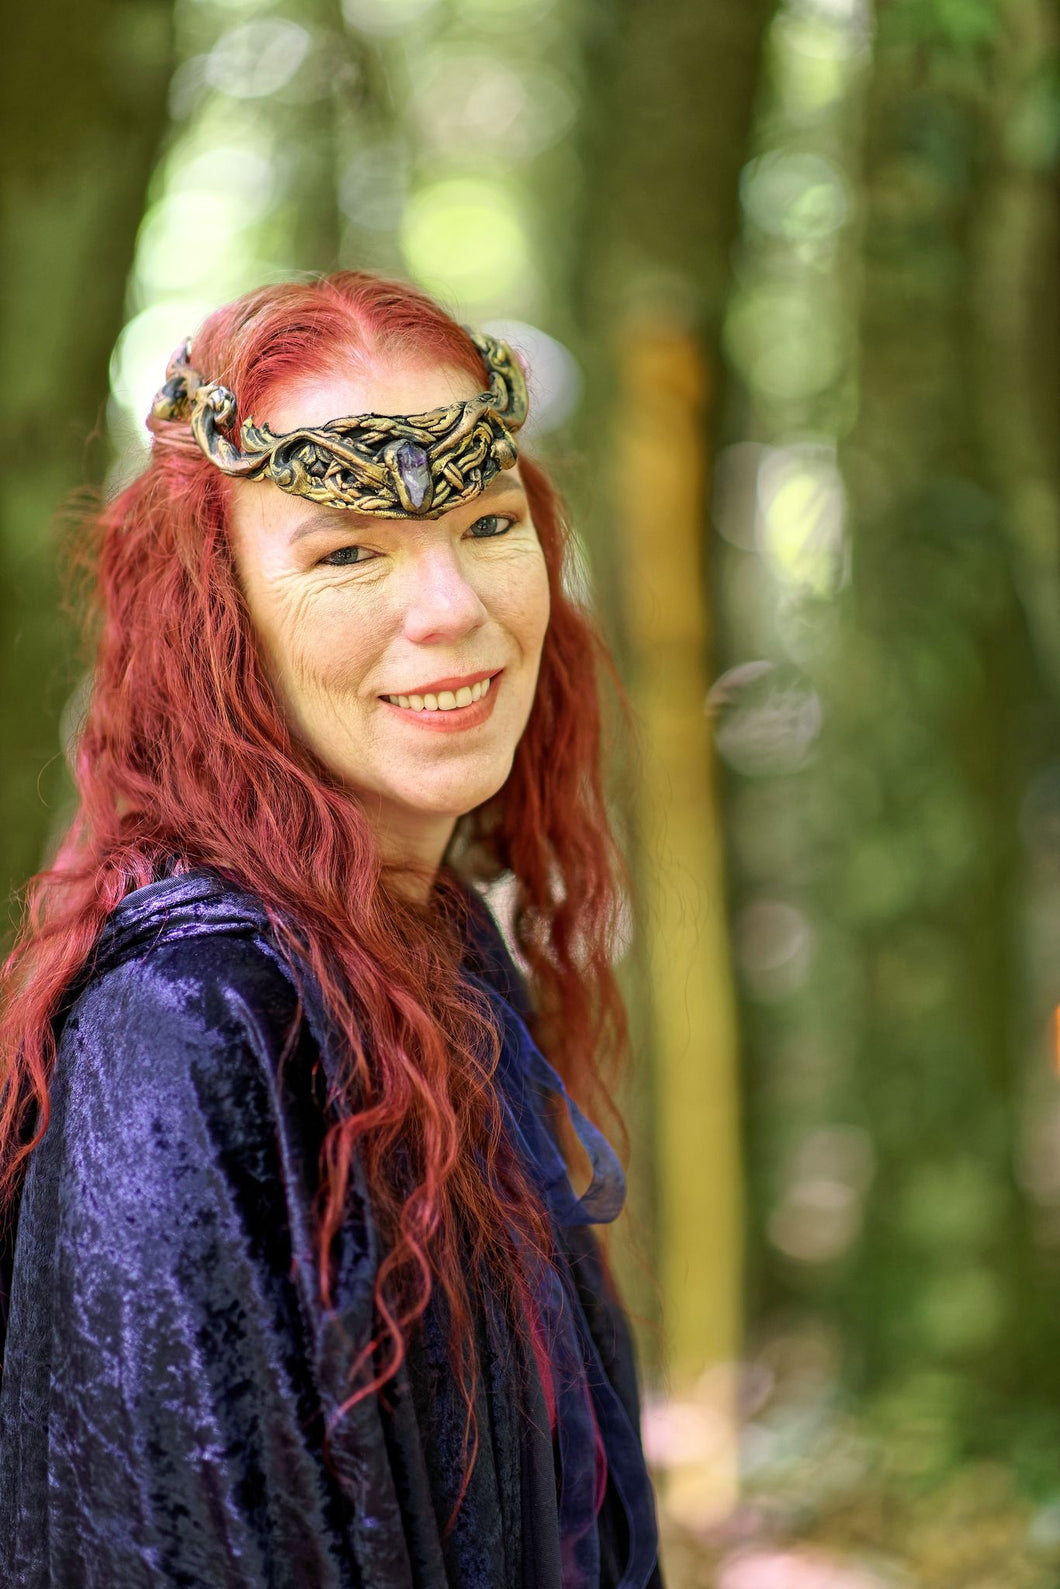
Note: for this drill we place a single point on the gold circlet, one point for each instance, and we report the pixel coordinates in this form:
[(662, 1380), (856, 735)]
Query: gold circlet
[(398, 466)]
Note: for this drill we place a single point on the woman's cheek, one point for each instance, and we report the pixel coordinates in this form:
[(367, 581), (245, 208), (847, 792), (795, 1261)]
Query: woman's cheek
[(538, 608), (521, 600), (333, 642)]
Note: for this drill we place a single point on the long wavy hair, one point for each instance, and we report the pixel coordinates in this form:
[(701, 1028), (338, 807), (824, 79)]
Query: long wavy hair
[(185, 759)]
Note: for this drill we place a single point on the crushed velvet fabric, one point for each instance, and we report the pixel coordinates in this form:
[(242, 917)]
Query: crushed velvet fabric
[(169, 1371)]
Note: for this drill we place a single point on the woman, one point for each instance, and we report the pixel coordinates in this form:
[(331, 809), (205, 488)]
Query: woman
[(301, 1292)]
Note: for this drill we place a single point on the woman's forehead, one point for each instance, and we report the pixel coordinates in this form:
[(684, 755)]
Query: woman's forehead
[(383, 387)]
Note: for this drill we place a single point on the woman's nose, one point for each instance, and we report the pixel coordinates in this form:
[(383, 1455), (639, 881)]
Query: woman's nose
[(440, 601)]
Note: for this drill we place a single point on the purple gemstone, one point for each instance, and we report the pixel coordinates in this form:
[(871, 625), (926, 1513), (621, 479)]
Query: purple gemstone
[(412, 467)]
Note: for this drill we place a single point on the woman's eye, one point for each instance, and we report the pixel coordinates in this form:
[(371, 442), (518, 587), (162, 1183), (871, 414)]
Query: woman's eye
[(491, 524), (346, 556)]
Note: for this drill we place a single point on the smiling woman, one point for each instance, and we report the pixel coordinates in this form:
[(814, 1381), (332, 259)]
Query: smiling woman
[(371, 625), (301, 1289)]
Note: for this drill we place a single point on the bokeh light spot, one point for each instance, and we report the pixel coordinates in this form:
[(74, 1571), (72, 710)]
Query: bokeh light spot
[(501, 15), (257, 58), (767, 718), (471, 99), (382, 17), (465, 237), (799, 524), (553, 377), (138, 363), (373, 185), (794, 195)]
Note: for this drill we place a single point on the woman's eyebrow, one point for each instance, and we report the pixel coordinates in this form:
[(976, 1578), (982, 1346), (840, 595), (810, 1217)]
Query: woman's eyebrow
[(325, 518), (329, 519), (503, 485)]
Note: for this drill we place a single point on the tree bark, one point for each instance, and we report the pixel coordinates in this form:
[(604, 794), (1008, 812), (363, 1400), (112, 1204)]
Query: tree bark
[(666, 131), (928, 750)]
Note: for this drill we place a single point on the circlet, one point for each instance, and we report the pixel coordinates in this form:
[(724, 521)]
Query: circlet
[(398, 466)]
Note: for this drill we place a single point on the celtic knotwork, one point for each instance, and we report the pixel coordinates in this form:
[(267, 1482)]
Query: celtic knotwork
[(507, 382), (211, 406), (174, 399), (396, 466)]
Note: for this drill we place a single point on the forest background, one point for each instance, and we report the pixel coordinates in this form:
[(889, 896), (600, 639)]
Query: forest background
[(786, 272)]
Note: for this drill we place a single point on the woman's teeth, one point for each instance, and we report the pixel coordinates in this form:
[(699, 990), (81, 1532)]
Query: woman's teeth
[(445, 701)]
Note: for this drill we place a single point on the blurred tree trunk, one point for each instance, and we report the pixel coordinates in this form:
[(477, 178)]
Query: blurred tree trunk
[(1015, 243), (1016, 249), (667, 123), (83, 110), (937, 688), (324, 130)]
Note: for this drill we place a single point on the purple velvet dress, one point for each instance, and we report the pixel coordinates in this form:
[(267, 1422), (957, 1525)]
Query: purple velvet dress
[(169, 1372)]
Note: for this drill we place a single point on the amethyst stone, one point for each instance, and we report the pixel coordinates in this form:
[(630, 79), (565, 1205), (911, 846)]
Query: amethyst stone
[(412, 467)]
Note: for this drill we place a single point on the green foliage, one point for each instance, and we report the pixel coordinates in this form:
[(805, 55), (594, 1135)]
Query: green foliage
[(961, 25)]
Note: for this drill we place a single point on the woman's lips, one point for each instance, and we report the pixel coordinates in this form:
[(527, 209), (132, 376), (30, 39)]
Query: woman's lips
[(457, 717), (452, 683)]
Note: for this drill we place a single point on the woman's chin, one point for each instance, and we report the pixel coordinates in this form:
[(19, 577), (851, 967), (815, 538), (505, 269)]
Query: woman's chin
[(428, 801), (453, 803)]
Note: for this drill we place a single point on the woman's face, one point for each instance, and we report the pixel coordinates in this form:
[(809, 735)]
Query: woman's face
[(373, 628)]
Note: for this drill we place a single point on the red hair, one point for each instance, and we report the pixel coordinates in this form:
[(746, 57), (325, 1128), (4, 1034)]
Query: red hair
[(185, 756)]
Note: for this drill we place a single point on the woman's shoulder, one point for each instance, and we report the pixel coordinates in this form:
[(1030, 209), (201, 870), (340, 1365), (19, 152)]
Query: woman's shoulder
[(186, 971), (183, 1059), (180, 908)]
